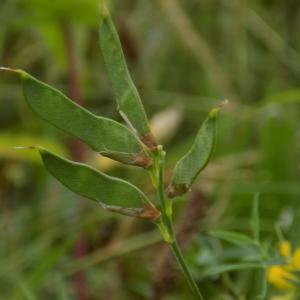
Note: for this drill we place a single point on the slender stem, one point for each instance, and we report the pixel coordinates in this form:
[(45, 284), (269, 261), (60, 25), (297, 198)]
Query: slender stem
[(78, 152), (166, 207), (167, 223), (188, 276)]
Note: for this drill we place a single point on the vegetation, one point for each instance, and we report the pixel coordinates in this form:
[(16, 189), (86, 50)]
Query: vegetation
[(237, 223)]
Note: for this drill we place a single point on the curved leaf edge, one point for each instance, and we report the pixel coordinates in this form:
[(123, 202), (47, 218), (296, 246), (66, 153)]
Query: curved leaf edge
[(147, 212), (145, 136), (140, 159), (175, 189)]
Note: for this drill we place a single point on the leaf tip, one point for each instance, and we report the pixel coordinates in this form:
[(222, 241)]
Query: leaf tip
[(26, 147), (174, 190), (104, 9), (150, 212), (17, 71), (214, 112), (143, 160), (224, 102), (149, 140)]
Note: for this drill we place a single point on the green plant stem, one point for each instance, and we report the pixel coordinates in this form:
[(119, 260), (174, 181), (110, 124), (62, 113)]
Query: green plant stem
[(188, 276), (166, 210)]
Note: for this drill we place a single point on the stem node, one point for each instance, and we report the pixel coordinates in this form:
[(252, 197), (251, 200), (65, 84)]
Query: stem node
[(165, 223)]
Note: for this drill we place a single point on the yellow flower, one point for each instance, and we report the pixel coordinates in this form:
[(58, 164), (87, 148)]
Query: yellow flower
[(282, 276), (285, 249), (295, 263)]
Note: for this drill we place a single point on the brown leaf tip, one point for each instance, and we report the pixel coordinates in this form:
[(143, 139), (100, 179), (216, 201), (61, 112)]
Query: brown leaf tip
[(174, 190), (143, 160), (149, 140), (150, 212)]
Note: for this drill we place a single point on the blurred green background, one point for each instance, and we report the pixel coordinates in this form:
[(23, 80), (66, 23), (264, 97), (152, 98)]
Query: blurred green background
[(185, 57)]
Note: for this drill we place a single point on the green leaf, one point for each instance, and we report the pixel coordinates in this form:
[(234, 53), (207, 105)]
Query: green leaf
[(232, 237), (128, 99), (112, 193), (223, 268), (103, 135), (263, 285), (194, 161)]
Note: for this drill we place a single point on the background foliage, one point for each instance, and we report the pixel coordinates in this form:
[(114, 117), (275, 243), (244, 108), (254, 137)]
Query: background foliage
[(185, 56)]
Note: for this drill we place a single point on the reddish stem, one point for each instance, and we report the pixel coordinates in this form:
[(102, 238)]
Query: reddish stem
[(78, 152)]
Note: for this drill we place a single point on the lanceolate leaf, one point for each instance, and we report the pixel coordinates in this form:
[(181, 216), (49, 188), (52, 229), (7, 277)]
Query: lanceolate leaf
[(222, 268), (112, 193), (103, 135), (195, 160), (128, 99), (232, 237)]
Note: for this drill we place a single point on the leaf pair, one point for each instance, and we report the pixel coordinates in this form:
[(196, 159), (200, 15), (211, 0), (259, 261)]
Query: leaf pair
[(132, 111), (111, 138), (103, 135)]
